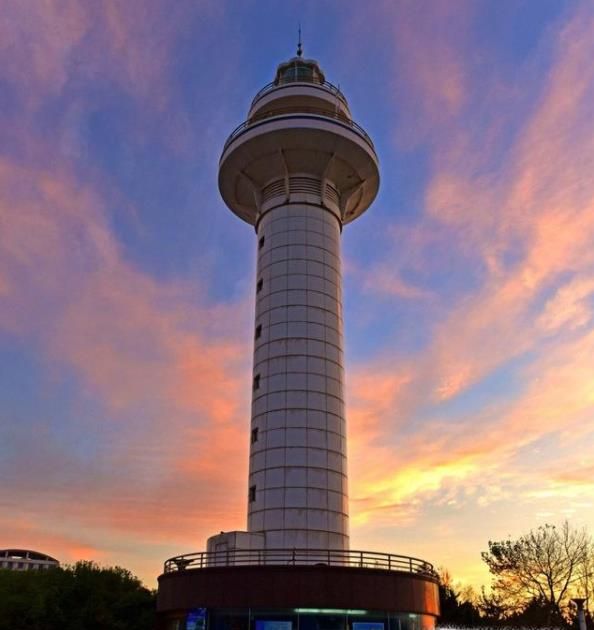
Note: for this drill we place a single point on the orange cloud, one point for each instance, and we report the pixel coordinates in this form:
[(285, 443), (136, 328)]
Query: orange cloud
[(568, 308), (166, 367), (529, 228), (27, 534), (385, 281)]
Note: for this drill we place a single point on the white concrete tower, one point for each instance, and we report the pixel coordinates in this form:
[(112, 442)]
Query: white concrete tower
[(298, 170)]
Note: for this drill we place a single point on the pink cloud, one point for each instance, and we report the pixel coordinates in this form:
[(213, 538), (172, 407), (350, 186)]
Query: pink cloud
[(167, 367), (27, 534), (568, 308), (430, 68), (529, 228), (540, 206), (387, 281), (44, 44), (86, 55)]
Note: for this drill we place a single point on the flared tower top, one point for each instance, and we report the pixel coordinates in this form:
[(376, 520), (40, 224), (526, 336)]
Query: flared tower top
[(299, 125)]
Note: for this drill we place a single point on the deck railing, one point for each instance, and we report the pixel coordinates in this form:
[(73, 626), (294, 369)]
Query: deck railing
[(325, 84), (306, 112), (299, 557)]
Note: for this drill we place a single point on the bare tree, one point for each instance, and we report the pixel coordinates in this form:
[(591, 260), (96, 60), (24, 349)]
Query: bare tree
[(548, 564)]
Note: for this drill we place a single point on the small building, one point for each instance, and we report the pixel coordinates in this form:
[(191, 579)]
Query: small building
[(26, 560)]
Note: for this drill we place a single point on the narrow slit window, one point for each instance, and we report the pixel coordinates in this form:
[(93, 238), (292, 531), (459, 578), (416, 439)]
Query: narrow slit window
[(254, 435), (259, 285), (252, 494), (258, 331), (256, 382), (261, 242)]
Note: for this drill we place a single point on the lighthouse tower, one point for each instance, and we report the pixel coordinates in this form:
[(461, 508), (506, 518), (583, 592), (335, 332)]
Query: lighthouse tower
[(298, 170)]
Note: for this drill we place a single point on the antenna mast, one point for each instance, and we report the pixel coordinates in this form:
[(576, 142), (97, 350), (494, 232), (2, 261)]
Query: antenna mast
[(299, 46)]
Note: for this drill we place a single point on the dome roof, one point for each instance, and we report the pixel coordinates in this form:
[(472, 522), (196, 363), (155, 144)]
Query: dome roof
[(299, 70), (25, 554)]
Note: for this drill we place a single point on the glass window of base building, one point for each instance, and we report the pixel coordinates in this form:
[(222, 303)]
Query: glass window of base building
[(369, 621), (407, 621), (196, 619), (228, 619), (295, 619), (298, 619), (262, 619), (322, 619)]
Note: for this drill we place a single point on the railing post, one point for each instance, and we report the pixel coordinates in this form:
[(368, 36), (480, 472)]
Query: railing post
[(411, 568), (293, 556), (389, 562), (361, 559)]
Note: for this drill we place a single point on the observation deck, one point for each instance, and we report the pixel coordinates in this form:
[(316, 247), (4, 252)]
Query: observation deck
[(303, 111), (300, 557), (318, 84), (296, 73)]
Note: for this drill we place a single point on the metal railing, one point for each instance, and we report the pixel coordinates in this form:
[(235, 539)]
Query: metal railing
[(322, 84), (299, 557), (307, 112)]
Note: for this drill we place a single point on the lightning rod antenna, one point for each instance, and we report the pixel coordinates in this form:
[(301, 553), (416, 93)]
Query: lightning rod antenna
[(299, 46)]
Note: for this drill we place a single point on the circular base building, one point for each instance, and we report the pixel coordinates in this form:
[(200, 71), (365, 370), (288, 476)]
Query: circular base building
[(297, 590)]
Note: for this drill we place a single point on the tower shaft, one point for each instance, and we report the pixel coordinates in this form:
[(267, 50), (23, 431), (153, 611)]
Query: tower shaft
[(298, 169), (298, 480)]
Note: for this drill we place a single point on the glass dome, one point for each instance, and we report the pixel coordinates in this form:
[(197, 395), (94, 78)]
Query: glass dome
[(299, 70)]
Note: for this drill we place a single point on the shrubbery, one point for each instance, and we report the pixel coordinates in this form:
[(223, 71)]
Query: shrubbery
[(81, 597)]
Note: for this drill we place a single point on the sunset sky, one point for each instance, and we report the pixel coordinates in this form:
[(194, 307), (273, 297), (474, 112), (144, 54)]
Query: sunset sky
[(127, 287)]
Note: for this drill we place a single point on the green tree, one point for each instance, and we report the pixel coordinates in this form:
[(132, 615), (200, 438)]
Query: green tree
[(542, 568), (82, 597)]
